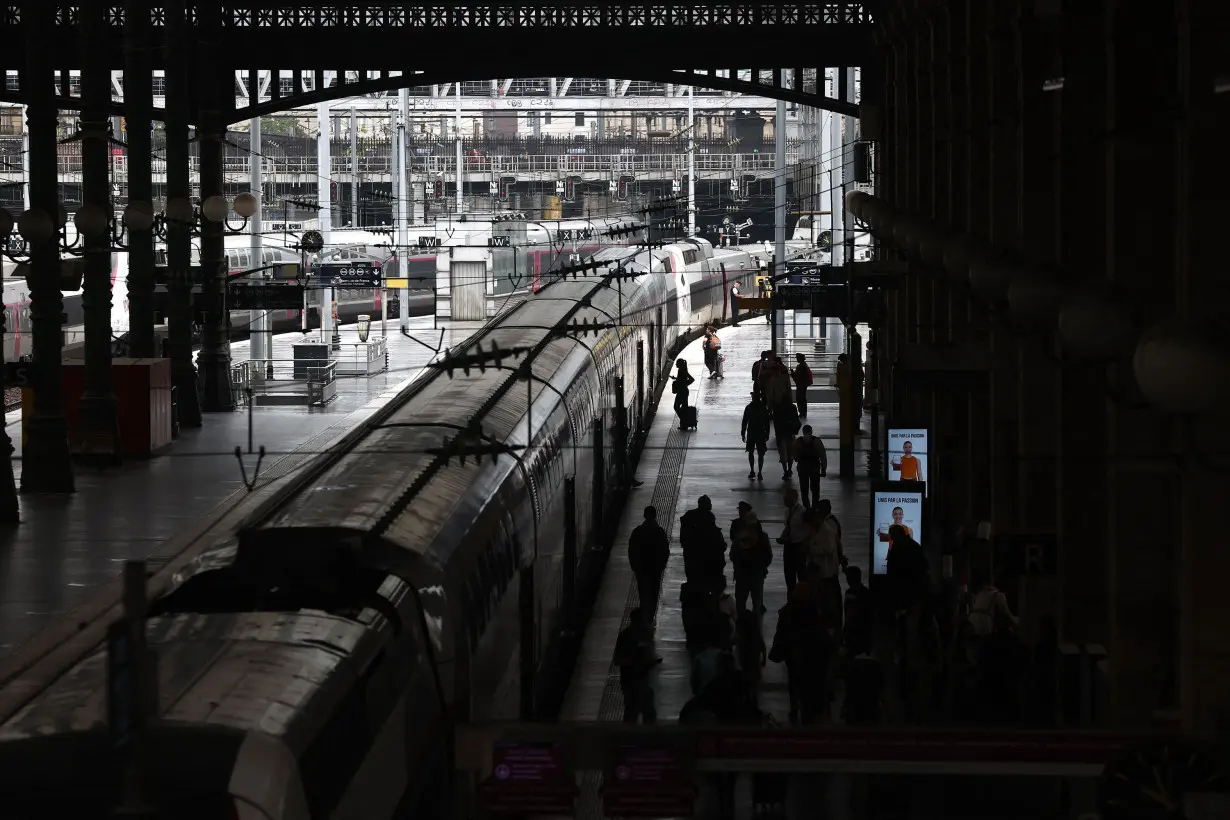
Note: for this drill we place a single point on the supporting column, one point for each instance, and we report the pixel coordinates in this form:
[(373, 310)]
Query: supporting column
[(1003, 232), (779, 206), (98, 434), (1038, 383), (179, 225), (1081, 489), (1141, 65), (461, 167), (354, 168), (405, 196), (138, 112), (324, 165), (691, 160), (46, 464), (260, 345), (1201, 211), (980, 425), (214, 361)]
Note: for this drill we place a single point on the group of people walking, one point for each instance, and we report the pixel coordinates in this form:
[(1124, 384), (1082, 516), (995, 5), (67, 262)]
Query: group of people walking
[(771, 410), (724, 628)]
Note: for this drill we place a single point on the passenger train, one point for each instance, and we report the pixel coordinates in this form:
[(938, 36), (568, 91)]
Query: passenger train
[(545, 246), (313, 663)]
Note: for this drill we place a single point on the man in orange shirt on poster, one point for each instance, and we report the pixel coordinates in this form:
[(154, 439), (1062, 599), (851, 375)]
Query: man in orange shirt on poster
[(898, 520), (908, 465)]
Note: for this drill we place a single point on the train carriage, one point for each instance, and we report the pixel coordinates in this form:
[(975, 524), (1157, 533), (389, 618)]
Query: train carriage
[(311, 665)]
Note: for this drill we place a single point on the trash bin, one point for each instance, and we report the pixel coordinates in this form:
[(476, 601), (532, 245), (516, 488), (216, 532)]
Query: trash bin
[(308, 356)]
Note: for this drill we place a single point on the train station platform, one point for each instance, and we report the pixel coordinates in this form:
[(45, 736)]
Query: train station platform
[(675, 469), (63, 561)]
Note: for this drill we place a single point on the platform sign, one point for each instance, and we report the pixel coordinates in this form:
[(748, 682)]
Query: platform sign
[(351, 274), (18, 374), (792, 296), (1018, 554), (244, 296), (647, 781), (897, 503), (907, 446), (527, 779)]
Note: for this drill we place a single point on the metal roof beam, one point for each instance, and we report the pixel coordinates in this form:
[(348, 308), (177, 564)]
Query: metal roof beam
[(379, 105)]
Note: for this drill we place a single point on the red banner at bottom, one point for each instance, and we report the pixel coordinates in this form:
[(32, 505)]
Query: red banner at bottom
[(499, 798), (662, 802)]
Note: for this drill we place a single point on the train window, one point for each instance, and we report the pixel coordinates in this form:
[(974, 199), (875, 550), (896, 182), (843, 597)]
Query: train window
[(486, 578), (506, 563), (232, 259), (475, 620), (267, 258)]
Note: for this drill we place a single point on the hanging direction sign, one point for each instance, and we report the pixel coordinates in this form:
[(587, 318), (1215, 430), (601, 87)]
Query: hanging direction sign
[(352, 274), (244, 296), (799, 296)]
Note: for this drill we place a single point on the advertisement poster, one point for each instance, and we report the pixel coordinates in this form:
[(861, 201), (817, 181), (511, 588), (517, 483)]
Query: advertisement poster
[(907, 454), (897, 506)]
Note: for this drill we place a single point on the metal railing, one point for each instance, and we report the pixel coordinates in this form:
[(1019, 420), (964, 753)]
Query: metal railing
[(241, 383), (321, 384), (314, 382), (362, 358), (495, 165)]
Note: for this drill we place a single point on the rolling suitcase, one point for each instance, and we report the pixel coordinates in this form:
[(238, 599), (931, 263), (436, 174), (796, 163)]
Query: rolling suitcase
[(687, 418)]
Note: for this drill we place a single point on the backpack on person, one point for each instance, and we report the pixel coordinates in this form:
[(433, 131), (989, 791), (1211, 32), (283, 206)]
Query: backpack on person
[(804, 377)]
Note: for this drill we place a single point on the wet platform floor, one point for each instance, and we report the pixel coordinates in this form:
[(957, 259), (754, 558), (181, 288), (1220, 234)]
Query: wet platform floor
[(67, 547), (676, 469)]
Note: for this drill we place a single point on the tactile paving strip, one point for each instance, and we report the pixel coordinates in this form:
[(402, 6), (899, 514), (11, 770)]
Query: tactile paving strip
[(666, 499)]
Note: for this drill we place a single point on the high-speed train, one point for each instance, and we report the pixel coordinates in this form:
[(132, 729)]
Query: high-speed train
[(313, 663), (546, 246)]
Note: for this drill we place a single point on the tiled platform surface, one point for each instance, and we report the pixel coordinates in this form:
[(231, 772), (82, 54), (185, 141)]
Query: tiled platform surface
[(676, 469), (713, 463), (68, 546)]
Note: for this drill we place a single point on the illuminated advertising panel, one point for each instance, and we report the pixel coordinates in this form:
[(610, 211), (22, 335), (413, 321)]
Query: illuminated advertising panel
[(906, 449), (900, 503)]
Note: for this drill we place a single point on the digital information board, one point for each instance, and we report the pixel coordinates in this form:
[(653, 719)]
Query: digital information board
[(894, 503), (906, 448)]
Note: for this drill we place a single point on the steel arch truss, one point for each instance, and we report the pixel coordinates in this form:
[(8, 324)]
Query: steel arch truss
[(804, 86), (383, 39)]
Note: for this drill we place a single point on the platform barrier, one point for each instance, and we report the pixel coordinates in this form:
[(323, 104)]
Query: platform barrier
[(362, 358), (268, 382)]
